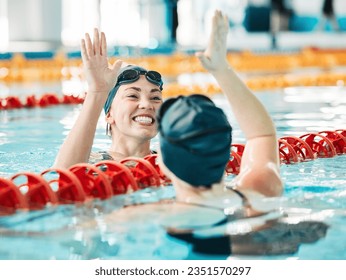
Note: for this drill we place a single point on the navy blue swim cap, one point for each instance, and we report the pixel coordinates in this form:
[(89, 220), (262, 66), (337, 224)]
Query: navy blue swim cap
[(129, 74), (195, 139)]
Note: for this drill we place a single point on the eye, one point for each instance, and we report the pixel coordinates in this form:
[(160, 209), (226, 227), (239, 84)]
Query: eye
[(156, 98), (132, 96)]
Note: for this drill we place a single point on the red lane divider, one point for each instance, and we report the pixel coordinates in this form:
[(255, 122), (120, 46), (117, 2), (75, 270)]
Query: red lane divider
[(319, 144), (69, 188), (47, 99), (31, 101), (11, 198), (11, 102), (119, 176), (36, 190), (144, 173), (233, 165), (82, 182), (153, 160), (302, 148), (338, 140), (341, 131), (93, 180), (287, 153)]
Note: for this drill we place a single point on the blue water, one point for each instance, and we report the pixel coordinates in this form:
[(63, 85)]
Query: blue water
[(30, 139)]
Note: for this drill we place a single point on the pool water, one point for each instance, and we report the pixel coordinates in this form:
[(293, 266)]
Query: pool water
[(314, 190)]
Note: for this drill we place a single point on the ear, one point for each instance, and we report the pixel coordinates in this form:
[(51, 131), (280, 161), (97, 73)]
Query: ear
[(109, 118)]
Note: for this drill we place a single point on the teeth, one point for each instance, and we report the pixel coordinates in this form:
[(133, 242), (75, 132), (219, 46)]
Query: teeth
[(143, 119)]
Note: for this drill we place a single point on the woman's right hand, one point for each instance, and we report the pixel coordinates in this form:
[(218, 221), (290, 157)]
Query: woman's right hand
[(99, 74), (213, 58)]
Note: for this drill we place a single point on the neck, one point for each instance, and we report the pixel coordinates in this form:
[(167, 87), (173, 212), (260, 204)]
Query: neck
[(123, 147), (216, 196)]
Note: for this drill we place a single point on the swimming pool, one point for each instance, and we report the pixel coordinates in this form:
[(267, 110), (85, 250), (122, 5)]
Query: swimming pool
[(314, 190)]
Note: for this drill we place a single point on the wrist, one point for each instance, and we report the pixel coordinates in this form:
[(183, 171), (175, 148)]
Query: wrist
[(96, 97), (221, 69), (99, 88)]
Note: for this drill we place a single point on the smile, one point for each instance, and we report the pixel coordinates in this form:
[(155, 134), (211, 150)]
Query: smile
[(144, 120)]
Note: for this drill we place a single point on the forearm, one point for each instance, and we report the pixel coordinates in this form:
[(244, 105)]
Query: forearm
[(251, 115), (260, 166), (77, 146)]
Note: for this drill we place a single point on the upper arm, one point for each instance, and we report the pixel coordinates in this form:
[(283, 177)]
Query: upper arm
[(260, 166)]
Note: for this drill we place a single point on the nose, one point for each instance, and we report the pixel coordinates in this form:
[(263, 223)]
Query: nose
[(145, 103)]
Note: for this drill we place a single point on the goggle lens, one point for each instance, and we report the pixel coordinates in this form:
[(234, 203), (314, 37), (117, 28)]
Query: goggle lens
[(132, 75)]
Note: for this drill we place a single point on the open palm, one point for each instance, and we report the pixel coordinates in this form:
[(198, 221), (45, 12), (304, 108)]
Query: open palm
[(100, 75), (214, 57)]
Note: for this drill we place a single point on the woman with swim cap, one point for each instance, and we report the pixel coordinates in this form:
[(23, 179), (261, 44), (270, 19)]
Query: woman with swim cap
[(130, 96), (195, 140), (195, 136)]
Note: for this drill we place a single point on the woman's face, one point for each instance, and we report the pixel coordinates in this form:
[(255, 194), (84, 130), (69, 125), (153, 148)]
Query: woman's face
[(133, 111)]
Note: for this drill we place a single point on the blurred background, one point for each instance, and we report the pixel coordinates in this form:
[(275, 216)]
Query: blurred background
[(41, 25), (273, 44)]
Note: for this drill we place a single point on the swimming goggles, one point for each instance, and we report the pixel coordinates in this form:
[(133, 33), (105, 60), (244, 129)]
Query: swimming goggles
[(132, 75)]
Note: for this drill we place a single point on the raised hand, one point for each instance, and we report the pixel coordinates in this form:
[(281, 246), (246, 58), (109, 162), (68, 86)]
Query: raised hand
[(214, 56), (100, 75)]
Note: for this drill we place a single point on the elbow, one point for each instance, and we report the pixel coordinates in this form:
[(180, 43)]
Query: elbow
[(265, 180)]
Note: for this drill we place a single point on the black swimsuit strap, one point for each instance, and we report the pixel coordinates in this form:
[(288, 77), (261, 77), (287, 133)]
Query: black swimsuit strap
[(244, 199)]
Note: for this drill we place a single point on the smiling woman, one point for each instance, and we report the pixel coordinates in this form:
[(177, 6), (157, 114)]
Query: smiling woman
[(131, 116), (130, 97)]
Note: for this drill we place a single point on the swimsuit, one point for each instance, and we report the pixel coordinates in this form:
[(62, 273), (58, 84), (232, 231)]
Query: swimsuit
[(104, 155), (216, 245)]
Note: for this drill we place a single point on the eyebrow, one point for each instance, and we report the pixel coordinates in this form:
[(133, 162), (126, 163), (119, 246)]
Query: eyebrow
[(139, 89)]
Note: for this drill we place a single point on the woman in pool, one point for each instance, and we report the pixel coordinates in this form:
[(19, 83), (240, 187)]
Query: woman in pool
[(195, 135), (130, 96)]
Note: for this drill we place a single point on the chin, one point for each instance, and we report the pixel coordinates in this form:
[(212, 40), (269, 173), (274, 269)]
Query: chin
[(149, 134)]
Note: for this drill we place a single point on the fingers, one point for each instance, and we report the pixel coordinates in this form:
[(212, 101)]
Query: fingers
[(225, 21), (103, 49), (220, 20), (97, 47), (84, 51), (116, 66), (203, 59), (89, 46)]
